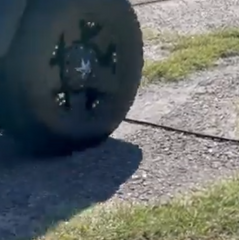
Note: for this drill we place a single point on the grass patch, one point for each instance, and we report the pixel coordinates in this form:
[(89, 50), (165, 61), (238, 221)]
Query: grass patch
[(150, 34), (192, 53), (208, 215), (155, 36)]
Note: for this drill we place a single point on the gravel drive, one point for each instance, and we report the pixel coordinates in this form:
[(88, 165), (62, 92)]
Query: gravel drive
[(186, 17), (189, 16), (175, 163), (213, 105), (36, 194), (206, 102), (137, 164)]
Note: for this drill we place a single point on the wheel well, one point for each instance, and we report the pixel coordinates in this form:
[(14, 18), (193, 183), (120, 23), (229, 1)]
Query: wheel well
[(11, 12)]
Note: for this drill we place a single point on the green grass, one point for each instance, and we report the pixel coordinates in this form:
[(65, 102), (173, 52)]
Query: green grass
[(150, 34), (212, 214), (192, 53)]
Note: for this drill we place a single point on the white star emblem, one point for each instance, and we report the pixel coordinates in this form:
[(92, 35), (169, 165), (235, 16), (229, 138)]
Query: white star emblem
[(85, 68)]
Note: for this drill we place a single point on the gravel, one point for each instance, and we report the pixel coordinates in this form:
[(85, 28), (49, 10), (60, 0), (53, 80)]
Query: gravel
[(174, 164), (38, 194), (136, 164), (186, 17), (206, 102), (213, 105), (189, 16)]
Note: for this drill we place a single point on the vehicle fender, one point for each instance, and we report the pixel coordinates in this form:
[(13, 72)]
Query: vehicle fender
[(11, 12)]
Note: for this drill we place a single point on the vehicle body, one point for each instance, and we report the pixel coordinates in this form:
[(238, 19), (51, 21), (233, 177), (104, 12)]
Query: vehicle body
[(69, 71), (11, 12)]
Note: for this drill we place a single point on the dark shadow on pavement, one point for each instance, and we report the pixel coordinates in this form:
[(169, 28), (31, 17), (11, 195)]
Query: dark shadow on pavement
[(35, 196)]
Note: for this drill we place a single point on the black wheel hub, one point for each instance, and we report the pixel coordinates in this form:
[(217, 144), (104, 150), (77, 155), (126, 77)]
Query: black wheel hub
[(84, 67), (80, 65)]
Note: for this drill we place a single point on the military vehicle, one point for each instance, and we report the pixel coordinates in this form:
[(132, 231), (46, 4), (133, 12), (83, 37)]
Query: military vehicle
[(69, 71)]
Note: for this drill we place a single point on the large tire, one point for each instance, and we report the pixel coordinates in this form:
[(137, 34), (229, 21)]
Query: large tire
[(28, 113)]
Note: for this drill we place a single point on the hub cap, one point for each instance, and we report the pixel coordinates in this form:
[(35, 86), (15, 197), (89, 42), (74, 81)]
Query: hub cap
[(80, 64), (84, 68)]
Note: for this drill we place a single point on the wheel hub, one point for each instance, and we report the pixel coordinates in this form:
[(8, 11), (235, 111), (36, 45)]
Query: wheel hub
[(80, 64), (87, 69)]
